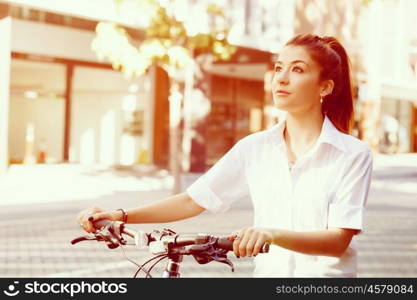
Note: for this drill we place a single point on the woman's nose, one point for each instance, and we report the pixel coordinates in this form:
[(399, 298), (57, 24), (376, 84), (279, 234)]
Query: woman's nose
[(281, 78)]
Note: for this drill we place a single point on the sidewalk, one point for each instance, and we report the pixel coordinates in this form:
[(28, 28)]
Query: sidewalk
[(26, 184), (43, 200)]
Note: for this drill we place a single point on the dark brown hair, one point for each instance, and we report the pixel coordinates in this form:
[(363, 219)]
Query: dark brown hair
[(335, 65)]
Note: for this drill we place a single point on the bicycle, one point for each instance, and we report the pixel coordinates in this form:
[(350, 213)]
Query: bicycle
[(164, 244)]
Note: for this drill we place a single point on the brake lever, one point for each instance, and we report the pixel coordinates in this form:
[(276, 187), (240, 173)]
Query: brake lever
[(223, 259), (98, 238), (116, 232), (206, 253), (82, 238), (111, 236)]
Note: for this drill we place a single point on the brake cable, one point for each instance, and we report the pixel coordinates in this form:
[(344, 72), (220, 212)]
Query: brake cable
[(162, 258), (147, 272), (140, 267)]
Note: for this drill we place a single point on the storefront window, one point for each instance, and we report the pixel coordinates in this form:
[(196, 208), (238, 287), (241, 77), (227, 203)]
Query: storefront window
[(36, 111), (236, 111)]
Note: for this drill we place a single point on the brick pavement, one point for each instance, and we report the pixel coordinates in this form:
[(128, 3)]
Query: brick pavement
[(37, 243), (25, 255)]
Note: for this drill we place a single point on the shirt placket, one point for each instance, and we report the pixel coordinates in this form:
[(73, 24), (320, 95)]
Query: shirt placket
[(291, 175), (290, 181)]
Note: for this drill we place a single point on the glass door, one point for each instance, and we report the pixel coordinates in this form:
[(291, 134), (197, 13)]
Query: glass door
[(36, 125)]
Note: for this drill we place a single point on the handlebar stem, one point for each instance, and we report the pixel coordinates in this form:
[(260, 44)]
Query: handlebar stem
[(173, 266)]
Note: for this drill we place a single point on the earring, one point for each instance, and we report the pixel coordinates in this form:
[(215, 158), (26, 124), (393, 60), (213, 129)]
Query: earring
[(321, 100)]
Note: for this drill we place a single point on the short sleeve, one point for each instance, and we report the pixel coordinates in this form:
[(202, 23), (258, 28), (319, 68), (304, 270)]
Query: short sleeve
[(347, 208), (222, 184)]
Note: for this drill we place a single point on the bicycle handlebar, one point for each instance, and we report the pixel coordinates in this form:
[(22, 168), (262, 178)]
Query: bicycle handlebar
[(176, 240), (203, 247)]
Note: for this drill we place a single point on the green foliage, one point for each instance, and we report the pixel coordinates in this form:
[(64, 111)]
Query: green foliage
[(366, 2), (166, 40)]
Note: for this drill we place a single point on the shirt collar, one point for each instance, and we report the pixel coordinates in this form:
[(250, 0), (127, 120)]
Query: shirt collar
[(276, 132), (329, 134)]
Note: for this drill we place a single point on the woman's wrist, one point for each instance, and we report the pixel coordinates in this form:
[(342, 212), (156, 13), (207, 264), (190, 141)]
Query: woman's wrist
[(275, 236), (119, 215)]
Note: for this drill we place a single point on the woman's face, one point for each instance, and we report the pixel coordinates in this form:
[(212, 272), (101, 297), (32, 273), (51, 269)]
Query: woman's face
[(296, 82)]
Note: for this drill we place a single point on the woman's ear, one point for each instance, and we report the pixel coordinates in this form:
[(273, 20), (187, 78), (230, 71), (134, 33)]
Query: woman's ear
[(326, 87)]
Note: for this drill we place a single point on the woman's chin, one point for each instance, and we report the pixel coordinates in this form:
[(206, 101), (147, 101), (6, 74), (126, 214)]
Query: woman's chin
[(281, 104)]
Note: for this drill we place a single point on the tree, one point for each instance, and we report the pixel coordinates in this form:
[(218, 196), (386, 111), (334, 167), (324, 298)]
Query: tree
[(170, 44)]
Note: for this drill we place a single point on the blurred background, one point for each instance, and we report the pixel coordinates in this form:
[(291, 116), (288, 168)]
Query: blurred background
[(122, 102)]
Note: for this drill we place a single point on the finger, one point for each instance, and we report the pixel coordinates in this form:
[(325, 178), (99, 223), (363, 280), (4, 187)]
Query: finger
[(232, 236), (80, 223), (95, 209), (236, 243), (251, 244), (237, 240), (81, 215), (79, 219), (87, 225), (258, 246), (82, 218), (243, 244), (96, 217)]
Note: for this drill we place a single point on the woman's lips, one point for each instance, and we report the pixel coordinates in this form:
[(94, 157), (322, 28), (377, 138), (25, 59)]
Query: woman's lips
[(282, 93)]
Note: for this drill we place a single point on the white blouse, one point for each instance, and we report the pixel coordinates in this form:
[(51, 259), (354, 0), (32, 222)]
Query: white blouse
[(326, 187)]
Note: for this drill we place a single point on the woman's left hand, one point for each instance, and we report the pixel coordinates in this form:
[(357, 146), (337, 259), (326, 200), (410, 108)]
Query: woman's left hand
[(249, 241)]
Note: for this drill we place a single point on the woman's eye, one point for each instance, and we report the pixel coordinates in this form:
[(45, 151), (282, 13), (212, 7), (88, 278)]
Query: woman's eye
[(298, 70)]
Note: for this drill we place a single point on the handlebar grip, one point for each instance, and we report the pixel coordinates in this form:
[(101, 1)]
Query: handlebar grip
[(227, 244), (265, 248)]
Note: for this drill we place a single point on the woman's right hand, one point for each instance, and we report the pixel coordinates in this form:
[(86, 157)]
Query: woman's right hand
[(88, 216)]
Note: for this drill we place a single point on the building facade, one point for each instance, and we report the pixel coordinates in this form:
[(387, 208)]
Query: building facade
[(63, 104), (60, 103), (380, 36)]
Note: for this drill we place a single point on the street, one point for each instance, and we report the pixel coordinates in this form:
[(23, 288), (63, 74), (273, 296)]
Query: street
[(39, 203)]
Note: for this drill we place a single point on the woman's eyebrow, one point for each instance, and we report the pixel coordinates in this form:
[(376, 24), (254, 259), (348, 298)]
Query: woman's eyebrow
[(293, 62)]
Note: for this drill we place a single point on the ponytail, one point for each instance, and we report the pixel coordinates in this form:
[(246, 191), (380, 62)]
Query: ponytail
[(335, 64)]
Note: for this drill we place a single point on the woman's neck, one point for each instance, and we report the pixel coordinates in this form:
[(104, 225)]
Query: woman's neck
[(302, 132)]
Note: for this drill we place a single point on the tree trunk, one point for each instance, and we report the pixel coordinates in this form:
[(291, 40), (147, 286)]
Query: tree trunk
[(196, 111), (188, 118), (175, 99)]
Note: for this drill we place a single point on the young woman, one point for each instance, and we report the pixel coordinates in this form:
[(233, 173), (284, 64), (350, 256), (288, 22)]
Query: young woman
[(307, 177)]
